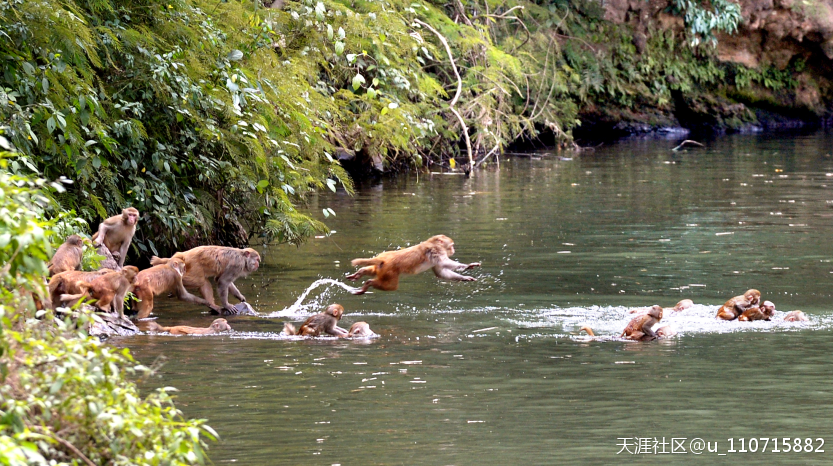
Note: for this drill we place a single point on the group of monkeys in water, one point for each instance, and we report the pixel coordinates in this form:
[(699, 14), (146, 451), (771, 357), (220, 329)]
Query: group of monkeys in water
[(107, 287), (746, 307), (195, 268)]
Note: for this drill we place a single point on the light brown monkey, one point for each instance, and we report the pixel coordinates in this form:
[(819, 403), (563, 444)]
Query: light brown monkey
[(107, 290), (117, 232), (222, 263), (735, 306), (161, 279), (219, 325), (795, 316), (68, 256), (665, 331), (431, 254), (360, 330), (680, 306), (640, 328), (69, 283), (764, 312), (326, 322)]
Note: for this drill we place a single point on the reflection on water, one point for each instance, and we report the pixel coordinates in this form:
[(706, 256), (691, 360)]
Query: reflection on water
[(494, 371)]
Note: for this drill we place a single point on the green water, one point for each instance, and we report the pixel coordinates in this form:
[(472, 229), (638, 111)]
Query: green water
[(564, 243)]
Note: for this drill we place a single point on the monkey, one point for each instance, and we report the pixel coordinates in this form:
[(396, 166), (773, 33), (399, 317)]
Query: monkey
[(69, 283), (107, 289), (764, 312), (640, 328), (795, 316), (117, 232), (735, 306), (219, 325), (665, 331), (222, 263), (431, 254), (325, 322), (360, 330), (680, 306), (161, 279), (68, 256)]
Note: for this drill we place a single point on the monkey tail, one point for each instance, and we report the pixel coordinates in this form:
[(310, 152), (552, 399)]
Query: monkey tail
[(158, 261), (289, 329), (588, 330), (365, 262), (73, 298)]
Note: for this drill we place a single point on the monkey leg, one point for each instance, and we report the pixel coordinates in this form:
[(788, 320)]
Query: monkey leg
[(145, 305), (207, 292), (387, 282)]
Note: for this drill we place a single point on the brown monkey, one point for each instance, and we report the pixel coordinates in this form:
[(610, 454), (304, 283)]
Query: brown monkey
[(161, 279), (735, 306), (431, 254), (117, 232), (360, 330), (764, 312), (68, 256), (69, 283), (795, 316), (326, 322), (108, 289), (222, 263), (640, 328), (219, 325)]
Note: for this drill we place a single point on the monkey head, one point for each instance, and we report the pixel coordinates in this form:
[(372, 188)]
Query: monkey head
[(220, 325), (178, 265), (129, 272), (75, 240), (656, 312), (768, 308), (130, 216), (753, 296), (683, 305), (252, 259), (445, 243), (335, 310)]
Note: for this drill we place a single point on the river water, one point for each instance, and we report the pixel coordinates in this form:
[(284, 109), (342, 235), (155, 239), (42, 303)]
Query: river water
[(493, 371)]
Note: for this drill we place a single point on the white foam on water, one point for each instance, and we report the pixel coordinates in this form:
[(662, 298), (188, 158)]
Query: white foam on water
[(609, 321), (299, 308)]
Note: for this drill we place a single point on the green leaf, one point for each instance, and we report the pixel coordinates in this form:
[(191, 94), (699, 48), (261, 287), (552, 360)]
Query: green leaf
[(235, 55), (339, 47), (358, 80), (96, 162), (262, 184)]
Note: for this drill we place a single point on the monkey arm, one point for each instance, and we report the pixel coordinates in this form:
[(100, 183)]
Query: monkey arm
[(448, 263), (648, 330), (449, 274), (236, 292)]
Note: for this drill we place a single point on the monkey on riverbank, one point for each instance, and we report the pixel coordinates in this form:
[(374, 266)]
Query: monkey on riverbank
[(68, 256), (117, 232)]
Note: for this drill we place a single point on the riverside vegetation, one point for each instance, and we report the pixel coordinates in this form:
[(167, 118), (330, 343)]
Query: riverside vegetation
[(216, 118)]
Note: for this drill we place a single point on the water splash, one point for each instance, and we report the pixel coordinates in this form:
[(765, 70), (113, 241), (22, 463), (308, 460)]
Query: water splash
[(299, 308)]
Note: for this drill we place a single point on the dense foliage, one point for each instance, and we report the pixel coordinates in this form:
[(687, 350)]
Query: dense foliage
[(65, 397), (215, 118)]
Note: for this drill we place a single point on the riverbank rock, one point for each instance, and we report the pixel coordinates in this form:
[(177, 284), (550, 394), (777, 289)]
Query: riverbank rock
[(104, 324)]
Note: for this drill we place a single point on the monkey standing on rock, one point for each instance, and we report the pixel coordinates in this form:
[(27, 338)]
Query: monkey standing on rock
[(223, 264), (432, 254), (117, 232)]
